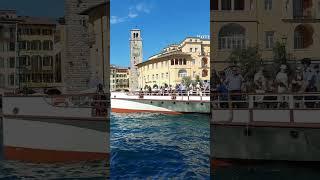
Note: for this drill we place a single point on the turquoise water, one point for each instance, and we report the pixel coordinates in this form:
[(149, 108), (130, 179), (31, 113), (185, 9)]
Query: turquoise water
[(160, 146)]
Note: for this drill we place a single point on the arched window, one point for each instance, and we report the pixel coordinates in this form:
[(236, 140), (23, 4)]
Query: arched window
[(204, 62), (204, 73), (182, 73), (303, 36), (232, 36)]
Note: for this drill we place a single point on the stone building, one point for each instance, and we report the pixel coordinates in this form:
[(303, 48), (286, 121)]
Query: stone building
[(29, 55), (243, 23), (77, 50), (119, 78), (99, 43), (189, 58)]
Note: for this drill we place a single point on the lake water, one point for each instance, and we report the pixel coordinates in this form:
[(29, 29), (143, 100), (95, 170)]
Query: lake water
[(160, 146)]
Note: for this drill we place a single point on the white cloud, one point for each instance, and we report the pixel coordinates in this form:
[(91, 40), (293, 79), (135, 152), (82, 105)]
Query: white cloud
[(134, 12), (116, 19)]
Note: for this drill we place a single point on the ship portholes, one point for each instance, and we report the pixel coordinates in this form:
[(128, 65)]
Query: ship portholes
[(294, 134), (151, 102), (162, 102), (187, 103), (201, 104), (174, 102), (15, 110)]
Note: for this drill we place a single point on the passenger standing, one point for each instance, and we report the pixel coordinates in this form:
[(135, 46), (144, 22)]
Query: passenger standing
[(282, 79), (198, 88), (234, 84)]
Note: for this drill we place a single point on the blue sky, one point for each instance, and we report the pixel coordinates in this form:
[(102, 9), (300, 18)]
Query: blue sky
[(162, 22), (47, 8)]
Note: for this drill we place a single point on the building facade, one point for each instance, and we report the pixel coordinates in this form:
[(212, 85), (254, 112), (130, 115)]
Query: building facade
[(77, 49), (99, 38), (119, 79), (29, 55), (136, 58), (262, 23), (190, 58)]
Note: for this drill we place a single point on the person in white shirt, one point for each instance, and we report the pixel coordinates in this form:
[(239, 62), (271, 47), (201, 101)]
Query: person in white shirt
[(282, 79), (234, 84), (259, 80), (198, 87)]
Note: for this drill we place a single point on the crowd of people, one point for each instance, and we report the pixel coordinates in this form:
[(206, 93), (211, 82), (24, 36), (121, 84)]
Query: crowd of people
[(183, 88), (304, 79)]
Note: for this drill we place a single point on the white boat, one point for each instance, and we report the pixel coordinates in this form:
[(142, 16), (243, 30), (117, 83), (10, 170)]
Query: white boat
[(168, 103), (64, 128)]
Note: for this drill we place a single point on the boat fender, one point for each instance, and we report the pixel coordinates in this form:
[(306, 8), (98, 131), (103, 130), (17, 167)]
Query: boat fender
[(247, 131), (294, 134), (15, 110)]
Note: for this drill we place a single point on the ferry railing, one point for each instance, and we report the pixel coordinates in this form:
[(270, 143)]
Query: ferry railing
[(265, 100), (173, 94), (97, 102)]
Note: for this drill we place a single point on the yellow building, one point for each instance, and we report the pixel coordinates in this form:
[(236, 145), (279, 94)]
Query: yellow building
[(189, 58), (243, 23)]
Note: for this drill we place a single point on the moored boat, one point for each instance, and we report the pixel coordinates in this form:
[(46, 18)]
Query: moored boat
[(64, 128), (265, 127), (155, 102)]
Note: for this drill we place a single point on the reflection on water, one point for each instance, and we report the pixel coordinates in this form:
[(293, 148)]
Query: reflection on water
[(157, 145)]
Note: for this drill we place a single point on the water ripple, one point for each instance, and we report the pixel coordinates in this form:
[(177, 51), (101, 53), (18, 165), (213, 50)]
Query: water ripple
[(159, 146)]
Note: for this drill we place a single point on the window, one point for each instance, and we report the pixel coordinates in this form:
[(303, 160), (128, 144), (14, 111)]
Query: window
[(12, 62), (190, 49), (176, 61), (194, 74), (152, 76), (167, 74), (182, 73), (1, 62), (2, 80), (195, 49), (172, 62), (35, 45), (204, 73), (46, 32), (24, 61), (12, 46), (180, 61), (184, 62), (269, 39), (11, 80), (214, 5), (251, 5), (232, 36), (238, 4), (47, 45), (157, 77), (47, 61), (226, 5), (193, 61), (162, 75), (204, 62), (267, 4), (303, 36)]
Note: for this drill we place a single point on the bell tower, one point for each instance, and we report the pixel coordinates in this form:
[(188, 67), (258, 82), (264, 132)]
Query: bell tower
[(136, 57)]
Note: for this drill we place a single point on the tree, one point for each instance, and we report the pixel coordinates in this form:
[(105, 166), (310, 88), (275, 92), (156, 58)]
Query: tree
[(187, 80), (247, 59), (280, 53)]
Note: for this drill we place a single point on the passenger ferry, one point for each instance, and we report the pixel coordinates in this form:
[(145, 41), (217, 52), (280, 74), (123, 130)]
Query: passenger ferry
[(265, 127), (51, 129), (161, 102)]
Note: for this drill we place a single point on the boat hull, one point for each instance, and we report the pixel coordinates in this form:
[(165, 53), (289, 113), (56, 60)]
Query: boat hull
[(47, 140), (159, 106)]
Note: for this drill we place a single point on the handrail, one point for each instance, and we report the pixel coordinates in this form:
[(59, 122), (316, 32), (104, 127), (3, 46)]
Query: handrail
[(265, 100)]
